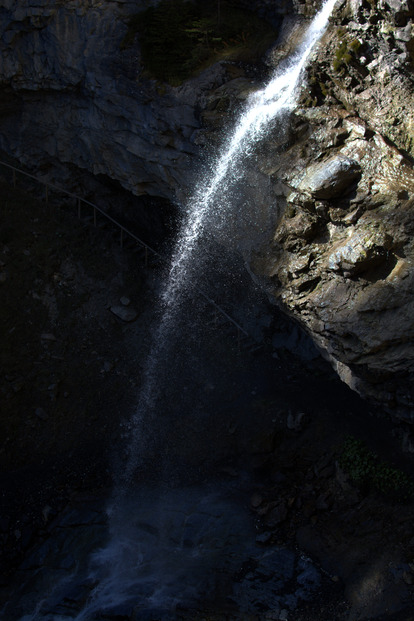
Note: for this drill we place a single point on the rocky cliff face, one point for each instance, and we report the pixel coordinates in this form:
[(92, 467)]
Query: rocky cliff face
[(339, 258), (71, 95)]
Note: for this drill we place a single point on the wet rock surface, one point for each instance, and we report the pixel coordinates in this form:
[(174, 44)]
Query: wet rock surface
[(181, 549), (330, 178)]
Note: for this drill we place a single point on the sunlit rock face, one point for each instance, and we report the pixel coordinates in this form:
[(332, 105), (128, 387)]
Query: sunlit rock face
[(342, 255)]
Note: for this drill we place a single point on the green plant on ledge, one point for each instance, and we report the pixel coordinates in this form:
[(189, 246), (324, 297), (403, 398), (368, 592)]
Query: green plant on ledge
[(346, 52), (368, 472), (179, 38)]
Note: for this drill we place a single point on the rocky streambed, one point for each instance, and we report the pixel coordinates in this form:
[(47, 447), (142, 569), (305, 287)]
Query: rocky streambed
[(242, 508)]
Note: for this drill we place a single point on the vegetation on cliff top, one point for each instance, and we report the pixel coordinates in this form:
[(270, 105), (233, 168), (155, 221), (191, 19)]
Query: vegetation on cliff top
[(179, 38)]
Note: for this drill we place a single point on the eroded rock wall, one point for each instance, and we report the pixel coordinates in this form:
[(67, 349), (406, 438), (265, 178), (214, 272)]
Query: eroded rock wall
[(71, 94), (342, 255)]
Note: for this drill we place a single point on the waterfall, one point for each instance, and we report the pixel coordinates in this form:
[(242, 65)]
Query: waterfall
[(278, 97), (116, 577), (142, 567), (275, 99)]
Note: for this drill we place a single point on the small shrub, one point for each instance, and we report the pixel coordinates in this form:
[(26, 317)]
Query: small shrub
[(368, 472), (345, 53)]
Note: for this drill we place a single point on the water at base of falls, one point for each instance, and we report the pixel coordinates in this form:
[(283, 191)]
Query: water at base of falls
[(180, 554), (165, 551)]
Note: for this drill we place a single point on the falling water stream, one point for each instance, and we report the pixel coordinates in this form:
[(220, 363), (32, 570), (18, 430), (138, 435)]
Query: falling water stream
[(205, 207), (167, 546)]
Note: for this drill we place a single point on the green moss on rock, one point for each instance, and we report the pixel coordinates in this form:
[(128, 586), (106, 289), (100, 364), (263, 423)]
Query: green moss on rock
[(345, 53)]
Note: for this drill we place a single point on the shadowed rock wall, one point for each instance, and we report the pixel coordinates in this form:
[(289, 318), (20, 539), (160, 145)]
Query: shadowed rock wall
[(71, 95)]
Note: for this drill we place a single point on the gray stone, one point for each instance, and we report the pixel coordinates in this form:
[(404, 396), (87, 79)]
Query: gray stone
[(40, 413), (277, 514), (360, 250), (403, 34), (256, 500), (398, 5), (127, 314), (330, 178), (48, 337), (296, 420), (264, 537), (107, 366), (408, 577)]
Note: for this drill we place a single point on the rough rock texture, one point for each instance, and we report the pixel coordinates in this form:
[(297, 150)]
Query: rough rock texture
[(341, 257), (69, 93), (72, 94)]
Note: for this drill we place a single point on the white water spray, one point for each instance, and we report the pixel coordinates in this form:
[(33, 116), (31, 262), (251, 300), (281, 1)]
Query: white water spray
[(275, 99), (119, 573)]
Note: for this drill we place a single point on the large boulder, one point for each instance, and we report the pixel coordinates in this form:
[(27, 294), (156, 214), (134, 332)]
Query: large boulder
[(331, 178)]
